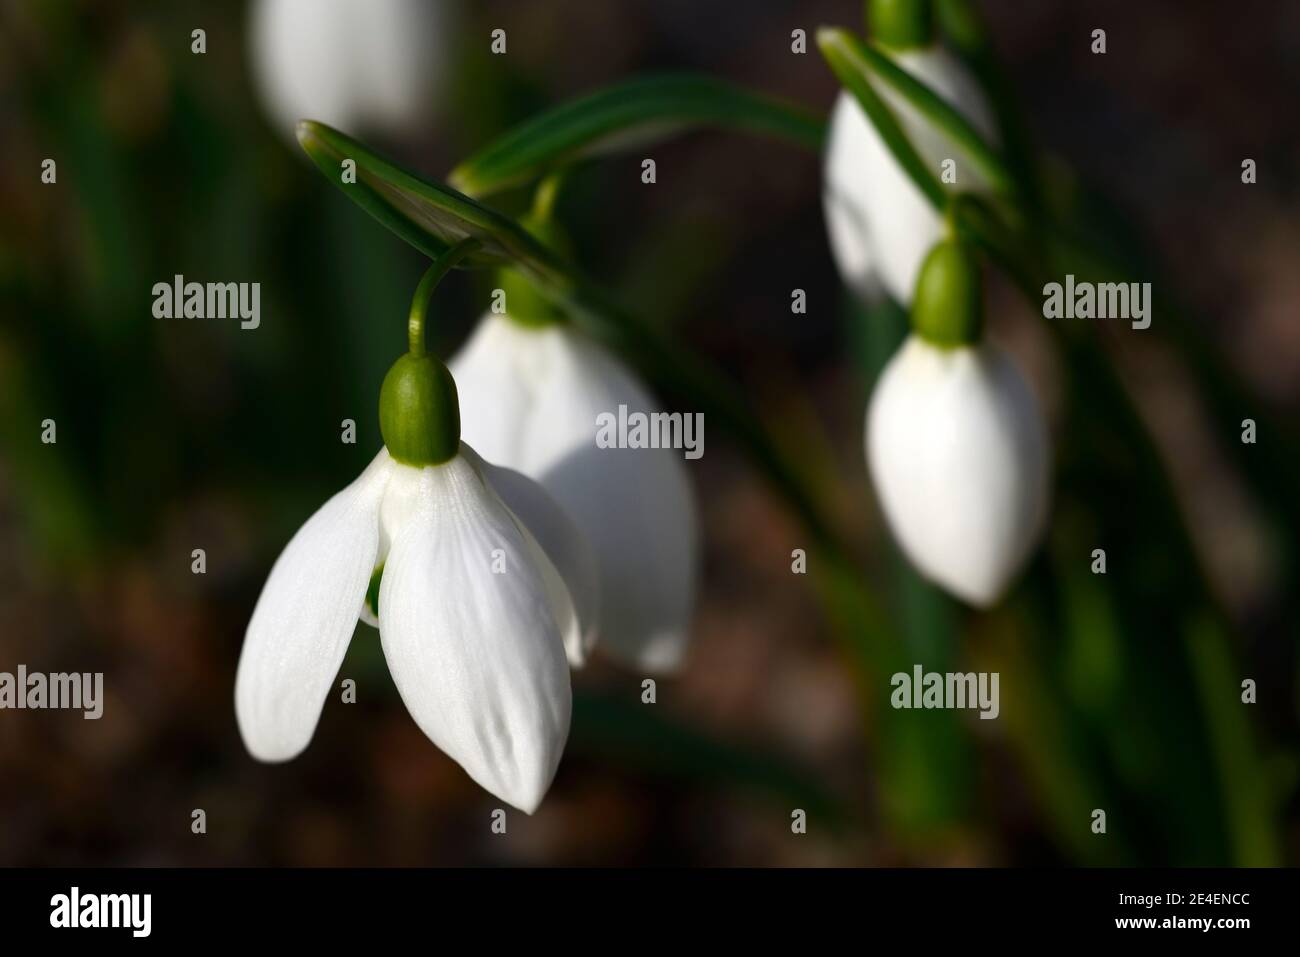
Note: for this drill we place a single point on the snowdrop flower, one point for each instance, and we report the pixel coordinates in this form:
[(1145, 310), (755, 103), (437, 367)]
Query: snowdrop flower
[(350, 64), (956, 443), (476, 579), (533, 389), (880, 225)]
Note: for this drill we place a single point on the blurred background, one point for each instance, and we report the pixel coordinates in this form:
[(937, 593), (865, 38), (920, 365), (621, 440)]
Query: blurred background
[(1121, 693)]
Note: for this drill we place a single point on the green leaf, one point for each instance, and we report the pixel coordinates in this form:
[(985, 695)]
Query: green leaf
[(430, 216), (637, 113), (845, 54), (1250, 803), (942, 114), (967, 33)]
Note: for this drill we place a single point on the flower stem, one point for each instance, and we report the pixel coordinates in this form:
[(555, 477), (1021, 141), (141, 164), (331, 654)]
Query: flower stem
[(424, 291), (544, 197)]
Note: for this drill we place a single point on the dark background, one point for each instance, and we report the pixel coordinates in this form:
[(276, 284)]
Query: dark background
[(176, 435)]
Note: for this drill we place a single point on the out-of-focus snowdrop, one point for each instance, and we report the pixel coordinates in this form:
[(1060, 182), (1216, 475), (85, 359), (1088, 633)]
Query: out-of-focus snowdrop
[(956, 442), (477, 581), (533, 389), (880, 225), (354, 64)]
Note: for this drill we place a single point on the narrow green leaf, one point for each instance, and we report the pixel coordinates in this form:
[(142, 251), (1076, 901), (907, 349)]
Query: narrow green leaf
[(1249, 801), (846, 55), (968, 34), (943, 115), (637, 113), (430, 216)]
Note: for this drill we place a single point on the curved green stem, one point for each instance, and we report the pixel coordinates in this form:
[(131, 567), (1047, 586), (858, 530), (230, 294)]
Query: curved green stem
[(440, 266)]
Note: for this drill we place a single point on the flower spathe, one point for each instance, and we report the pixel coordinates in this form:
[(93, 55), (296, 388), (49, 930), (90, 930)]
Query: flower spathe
[(880, 225), (958, 453), (484, 583), (532, 395), (352, 65)]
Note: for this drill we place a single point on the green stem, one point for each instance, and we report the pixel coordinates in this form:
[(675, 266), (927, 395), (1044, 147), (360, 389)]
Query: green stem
[(901, 24), (545, 196), (440, 266)]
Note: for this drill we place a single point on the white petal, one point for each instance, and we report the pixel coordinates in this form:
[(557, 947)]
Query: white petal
[(562, 552), (844, 201), (881, 226), (636, 506), (352, 65), (958, 453), (529, 401), (305, 617), (498, 372), (476, 655)]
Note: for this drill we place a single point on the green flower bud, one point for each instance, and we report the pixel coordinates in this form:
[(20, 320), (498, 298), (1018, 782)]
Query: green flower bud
[(419, 412), (901, 24), (948, 307)]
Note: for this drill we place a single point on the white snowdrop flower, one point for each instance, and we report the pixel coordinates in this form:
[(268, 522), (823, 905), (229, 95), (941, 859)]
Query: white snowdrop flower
[(880, 225), (354, 65), (956, 442), (479, 579), (533, 389)]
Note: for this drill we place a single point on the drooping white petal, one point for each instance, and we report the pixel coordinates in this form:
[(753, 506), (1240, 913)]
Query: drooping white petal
[(635, 506), (468, 630), (563, 553), (498, 372), (305, 617), (881, 226), (958, 453), (849, 143), (352, 65)]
